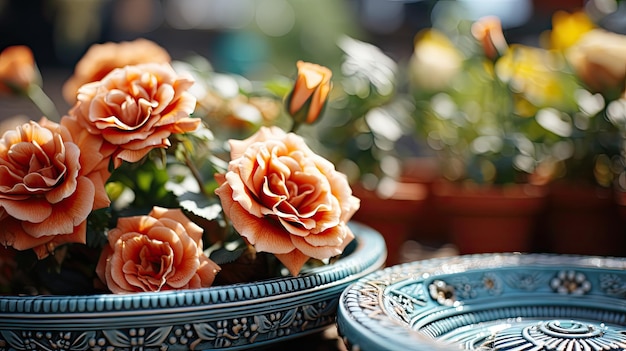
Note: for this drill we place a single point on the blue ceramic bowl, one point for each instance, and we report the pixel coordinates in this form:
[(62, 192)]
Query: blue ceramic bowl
[(521, 302), (230, 317)]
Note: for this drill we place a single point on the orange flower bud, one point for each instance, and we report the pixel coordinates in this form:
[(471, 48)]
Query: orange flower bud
[(17, 69), (488, 31), (310, 92)]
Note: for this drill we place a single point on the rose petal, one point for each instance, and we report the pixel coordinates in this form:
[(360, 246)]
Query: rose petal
[(100, 59), (67, 213), (47, 247), (293, 260), (34, 210), (261, 233)]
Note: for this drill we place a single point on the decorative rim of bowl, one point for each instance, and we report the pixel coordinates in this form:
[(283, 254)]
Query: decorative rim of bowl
[(394, 308), (367, 256)]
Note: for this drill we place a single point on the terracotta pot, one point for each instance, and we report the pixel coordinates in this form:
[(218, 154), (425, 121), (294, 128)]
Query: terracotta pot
[(396, 217), (491, 218), (584, 219), (430, 229), (620, 201)]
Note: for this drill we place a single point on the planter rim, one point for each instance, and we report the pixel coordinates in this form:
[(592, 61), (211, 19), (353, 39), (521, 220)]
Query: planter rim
[(367, 254), (476, 300), (229, 317)]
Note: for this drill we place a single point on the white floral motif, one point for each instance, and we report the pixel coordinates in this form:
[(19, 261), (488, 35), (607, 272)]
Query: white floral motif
[(556, 335), (570, 282), (443, 293), (492, 284)]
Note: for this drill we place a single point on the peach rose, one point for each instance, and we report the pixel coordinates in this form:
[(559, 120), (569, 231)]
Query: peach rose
[(157, 252), (285, 199), (136, 108), (310, 92), (17, 69), (101, 59), (51, 177)]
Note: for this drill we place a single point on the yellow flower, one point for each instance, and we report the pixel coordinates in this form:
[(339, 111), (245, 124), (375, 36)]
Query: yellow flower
[(534, 75), (310, 92), (435, 60), (567, 29)]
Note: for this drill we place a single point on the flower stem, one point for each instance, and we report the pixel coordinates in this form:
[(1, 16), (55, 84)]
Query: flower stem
[(43, 102), (194, 172), (295, 126)]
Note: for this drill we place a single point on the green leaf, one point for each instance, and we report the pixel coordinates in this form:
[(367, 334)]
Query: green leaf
[(279, 86), (223, 255), (98, 223), (200, 205)]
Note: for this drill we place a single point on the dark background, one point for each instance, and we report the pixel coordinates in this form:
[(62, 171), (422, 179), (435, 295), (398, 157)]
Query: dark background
[(228, 32), (59, 31)]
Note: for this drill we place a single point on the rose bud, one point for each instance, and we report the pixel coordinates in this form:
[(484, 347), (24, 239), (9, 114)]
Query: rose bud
[(309, 95), (488, 31)]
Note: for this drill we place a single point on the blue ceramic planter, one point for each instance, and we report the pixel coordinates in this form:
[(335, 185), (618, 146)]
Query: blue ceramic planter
[(521, 302), (228, 317)]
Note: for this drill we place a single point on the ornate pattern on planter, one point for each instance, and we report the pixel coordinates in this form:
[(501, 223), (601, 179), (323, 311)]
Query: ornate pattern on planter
[(222, 317), (218, 334), (473, 301), (557, 335)]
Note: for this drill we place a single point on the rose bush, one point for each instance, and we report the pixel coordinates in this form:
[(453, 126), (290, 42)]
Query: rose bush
[(285, 199), (90, 178), (135, 109), (51, 177), (101, 59), (158, 252)]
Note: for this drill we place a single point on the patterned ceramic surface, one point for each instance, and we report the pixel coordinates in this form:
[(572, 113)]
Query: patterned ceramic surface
[(521, 302), (229, 317)]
